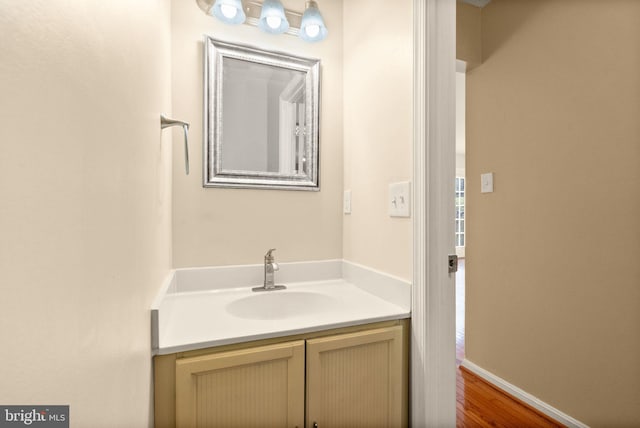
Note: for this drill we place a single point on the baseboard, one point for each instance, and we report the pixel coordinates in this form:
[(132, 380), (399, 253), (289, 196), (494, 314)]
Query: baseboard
[(523, 396)]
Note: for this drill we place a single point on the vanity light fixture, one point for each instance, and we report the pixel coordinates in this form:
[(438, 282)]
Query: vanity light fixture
[(272, 18), (229, 11), (312, 28)]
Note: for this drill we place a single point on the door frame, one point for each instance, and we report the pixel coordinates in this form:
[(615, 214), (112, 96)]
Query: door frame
[(433, 376)]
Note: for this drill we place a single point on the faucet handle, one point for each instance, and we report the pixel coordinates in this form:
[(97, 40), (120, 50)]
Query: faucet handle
[(269, 256)]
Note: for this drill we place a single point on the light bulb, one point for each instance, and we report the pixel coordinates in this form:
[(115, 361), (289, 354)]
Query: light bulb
[(312, 30), (229, 12), (274, 21)]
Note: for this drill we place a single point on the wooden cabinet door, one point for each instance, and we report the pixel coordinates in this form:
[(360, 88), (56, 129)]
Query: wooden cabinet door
[(357, 380), (255, 387)]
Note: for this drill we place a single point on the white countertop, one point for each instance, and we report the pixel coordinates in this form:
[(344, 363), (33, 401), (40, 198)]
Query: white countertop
[(199, 319)]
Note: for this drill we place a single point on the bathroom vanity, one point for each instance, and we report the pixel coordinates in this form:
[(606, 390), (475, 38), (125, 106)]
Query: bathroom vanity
[(339, 378), (331, 350)]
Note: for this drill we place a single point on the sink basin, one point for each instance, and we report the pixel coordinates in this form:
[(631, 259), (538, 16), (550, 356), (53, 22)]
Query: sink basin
[(275, 305)]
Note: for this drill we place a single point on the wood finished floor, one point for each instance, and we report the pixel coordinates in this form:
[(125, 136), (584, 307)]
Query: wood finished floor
[(479, 404)]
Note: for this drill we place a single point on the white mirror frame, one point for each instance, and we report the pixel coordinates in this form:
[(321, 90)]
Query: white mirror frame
[(215, 51)]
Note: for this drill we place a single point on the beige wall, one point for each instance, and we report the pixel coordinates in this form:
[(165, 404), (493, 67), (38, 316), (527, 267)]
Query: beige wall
[(553, 279), (217, 226), (85, 212), (469, 34), (378, 73), (231, 226)]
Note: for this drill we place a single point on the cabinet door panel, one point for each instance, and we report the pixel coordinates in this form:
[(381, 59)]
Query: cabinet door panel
[(256, 387), (356, 380)]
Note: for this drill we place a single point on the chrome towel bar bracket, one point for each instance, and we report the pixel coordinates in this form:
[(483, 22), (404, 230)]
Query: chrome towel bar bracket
[(167, 123)]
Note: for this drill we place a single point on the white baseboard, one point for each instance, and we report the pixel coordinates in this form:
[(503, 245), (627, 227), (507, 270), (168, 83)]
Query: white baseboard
[(523, 396)]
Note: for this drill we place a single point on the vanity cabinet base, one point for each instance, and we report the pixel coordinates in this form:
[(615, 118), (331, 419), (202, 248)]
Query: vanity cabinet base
[(249, 388), (351, 377), (356, 380)]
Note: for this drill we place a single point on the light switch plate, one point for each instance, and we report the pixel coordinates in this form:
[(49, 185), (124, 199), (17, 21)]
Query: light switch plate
[(486, 182), (400, 199), (346, 205)]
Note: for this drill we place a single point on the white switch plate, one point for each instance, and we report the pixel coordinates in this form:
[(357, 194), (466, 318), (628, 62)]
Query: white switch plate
[(346, 205), (486, 181), (400, 199)]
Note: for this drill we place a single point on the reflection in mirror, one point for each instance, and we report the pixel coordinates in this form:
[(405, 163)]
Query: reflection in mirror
[(261, 118)]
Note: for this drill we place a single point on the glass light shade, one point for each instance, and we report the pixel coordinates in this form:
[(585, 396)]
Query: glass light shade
[(272, 18), (312, 28), (229, 11)]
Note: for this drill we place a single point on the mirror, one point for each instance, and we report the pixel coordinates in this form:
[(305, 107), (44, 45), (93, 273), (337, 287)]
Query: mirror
[(261, 118)]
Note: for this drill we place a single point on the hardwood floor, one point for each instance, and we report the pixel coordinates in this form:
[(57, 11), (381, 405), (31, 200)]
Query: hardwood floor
[(479, 404)]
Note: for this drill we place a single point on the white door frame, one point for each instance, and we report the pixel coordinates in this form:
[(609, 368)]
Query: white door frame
[(433, 377)]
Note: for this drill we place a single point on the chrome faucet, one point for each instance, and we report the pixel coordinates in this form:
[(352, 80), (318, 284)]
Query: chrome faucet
[(270, 266)]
